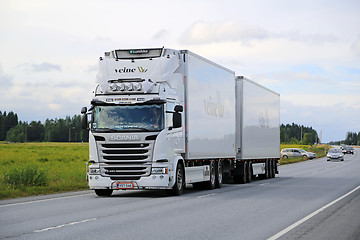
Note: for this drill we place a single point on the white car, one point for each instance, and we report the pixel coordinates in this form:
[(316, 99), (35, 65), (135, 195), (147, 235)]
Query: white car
[(335, 153)]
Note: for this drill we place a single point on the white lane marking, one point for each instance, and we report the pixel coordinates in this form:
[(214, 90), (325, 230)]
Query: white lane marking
[(288, 229), (64, 225), (207, 195), (43, 200)]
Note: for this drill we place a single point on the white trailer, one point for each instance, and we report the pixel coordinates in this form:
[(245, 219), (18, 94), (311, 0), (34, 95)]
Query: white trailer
[(161, 118)]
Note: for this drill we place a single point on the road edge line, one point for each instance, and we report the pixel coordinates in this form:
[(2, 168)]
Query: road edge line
[(291, 227)]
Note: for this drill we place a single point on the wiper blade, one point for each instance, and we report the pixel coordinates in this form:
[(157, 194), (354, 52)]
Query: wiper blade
[(138, 128), (106, 130)]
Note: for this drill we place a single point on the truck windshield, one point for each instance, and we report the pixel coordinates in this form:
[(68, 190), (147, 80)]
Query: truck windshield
[(125, 118)]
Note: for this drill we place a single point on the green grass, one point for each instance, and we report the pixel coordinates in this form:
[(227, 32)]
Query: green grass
[(320, 151), (41, 168), (29, 169)]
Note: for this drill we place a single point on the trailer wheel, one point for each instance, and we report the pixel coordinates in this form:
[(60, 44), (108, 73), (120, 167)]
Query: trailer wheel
[(212, 182), (103, 192), (179, 185), (271, 168), (219, 174), (240, 176), (249, 174)]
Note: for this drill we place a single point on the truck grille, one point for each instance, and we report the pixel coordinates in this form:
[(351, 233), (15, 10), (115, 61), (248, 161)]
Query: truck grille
[(125, 160)]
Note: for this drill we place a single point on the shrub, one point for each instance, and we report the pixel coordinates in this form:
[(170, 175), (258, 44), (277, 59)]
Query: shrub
[(28, 175)]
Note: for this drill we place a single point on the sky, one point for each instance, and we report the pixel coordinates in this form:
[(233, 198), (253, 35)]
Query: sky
[(308, 51)]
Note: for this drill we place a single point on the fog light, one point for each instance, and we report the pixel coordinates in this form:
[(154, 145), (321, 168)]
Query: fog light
[(94, 171)]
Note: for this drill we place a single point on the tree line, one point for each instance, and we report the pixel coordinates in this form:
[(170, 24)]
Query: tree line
[(69, 130), (53, 130), (296, 134), (352, 138)]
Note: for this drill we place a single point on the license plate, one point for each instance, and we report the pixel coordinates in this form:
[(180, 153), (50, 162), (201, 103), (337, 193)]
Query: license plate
[(124, 185)]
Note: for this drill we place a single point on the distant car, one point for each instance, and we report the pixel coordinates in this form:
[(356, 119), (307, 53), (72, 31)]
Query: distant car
[(348, 150), (297, 152), (335, 153)]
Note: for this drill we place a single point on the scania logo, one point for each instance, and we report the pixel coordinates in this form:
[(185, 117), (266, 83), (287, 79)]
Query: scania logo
[(124, 138)]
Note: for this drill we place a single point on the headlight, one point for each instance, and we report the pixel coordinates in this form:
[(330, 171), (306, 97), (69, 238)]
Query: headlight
[(121, 87), (138, 86), (159, 170), (113, 87), (130, 87)]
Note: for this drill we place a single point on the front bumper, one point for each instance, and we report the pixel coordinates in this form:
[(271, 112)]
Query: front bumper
[(155, 181), (335, 157)]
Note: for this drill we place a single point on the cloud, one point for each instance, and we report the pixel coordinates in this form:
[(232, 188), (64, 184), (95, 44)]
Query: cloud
[(5, 80), (42, 67), (45, 67), (313, 39), (203, 33), (161, 34), (92, 68), (355, 46)]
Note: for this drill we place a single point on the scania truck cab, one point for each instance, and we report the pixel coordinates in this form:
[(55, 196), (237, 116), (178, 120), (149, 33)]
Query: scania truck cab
[(136, 136)]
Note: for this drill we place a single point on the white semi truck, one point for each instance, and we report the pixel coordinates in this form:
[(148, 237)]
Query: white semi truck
[(163, 118)]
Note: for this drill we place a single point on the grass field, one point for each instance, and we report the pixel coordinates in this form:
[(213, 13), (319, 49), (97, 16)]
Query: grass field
[(41, 168)]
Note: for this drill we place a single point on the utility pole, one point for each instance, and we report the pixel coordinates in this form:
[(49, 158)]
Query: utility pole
[(25, 133), (70, 132)]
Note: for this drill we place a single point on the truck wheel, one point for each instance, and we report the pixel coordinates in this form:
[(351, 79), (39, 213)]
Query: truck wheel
[(211, 183), (249, 173), (103, 192), (179, 185), (240, 176), (219, 174)]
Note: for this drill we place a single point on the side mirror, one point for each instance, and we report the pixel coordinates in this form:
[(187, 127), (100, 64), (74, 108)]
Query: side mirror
[(84, 120), (83, 110), (178, 108), (176, 120)]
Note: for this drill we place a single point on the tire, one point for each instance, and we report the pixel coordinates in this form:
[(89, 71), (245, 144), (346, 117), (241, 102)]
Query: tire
[(240, 176), (249, 173), (211, 184), (285, 156), (219, 174), (274, 168), (103, 192), (180, 183), (271, 169)]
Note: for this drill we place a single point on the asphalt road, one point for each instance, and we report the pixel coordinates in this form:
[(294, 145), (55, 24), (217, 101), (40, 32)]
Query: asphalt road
[(315, 199)]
